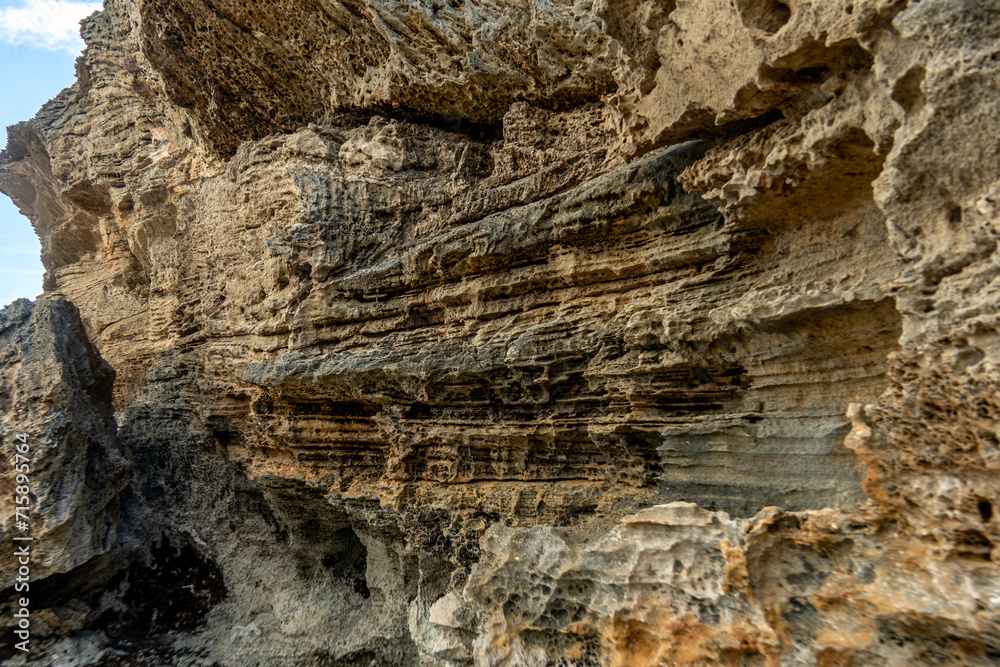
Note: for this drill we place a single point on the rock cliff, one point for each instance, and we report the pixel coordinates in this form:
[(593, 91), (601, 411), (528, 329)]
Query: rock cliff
[(462, 332)]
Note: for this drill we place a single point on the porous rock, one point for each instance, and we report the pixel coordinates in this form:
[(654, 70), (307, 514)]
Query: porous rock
[(638, 332)]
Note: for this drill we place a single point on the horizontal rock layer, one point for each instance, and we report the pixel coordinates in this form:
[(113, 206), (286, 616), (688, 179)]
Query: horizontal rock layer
[(528, 333)]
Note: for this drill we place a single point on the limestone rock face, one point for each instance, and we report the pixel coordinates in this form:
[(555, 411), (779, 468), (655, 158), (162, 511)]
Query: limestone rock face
[(63, 475), (56, 391), (620, 332)]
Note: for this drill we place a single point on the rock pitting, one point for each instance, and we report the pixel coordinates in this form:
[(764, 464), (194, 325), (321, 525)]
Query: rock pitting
[(475, 333)]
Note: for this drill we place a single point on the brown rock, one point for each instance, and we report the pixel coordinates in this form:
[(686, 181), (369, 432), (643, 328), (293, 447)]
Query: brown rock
[(533, 333)]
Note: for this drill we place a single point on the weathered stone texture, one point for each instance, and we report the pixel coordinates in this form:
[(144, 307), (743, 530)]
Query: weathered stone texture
[(59, 454), (617, 332), (56, 390)]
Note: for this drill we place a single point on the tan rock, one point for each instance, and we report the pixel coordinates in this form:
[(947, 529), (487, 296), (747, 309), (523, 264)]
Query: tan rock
[(447, 333)]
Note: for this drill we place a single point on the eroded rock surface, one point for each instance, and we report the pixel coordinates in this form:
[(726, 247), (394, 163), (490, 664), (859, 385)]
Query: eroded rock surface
[(57, 391), (526, 333), (64, 477)]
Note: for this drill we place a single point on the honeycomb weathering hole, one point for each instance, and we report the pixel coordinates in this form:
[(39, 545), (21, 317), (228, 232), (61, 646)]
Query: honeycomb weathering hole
[(766, 15)]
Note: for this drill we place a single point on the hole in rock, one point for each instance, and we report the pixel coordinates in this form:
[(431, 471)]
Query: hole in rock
[(985, 510), (766, 15), (908, 91), (349, 562), (173, 593), (973, 544)]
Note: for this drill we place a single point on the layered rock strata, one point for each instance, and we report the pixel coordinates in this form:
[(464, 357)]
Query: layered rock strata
[(598, 333)]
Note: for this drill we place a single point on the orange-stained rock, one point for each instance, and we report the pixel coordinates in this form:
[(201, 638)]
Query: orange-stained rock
[(624, 332)]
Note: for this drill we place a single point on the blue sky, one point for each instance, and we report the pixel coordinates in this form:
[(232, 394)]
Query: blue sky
[(39, 43)]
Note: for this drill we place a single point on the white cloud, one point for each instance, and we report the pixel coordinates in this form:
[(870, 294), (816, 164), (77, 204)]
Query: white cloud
[(46, 24)]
